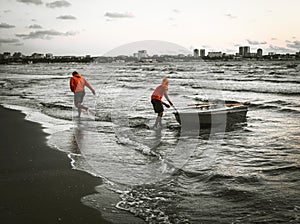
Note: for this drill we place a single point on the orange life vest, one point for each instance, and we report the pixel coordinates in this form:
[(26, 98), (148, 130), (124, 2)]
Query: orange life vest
[(77, 83)]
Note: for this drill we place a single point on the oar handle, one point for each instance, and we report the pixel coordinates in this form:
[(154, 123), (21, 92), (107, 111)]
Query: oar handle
[(175, 108)]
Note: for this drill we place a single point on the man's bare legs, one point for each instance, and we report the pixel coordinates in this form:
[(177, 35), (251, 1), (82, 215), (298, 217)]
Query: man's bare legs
[(80, 107), (158, 120)]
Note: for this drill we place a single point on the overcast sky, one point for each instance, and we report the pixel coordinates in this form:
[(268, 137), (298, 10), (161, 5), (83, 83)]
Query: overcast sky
[(77, 27)]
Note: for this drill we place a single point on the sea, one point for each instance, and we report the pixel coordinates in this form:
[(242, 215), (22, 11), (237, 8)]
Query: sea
[(247, 174)]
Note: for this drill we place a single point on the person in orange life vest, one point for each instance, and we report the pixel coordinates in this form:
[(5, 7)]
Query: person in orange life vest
[(156, 100), (77, 84)]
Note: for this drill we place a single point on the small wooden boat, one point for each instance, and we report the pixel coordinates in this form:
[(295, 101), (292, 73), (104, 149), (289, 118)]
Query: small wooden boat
[(206, 115)]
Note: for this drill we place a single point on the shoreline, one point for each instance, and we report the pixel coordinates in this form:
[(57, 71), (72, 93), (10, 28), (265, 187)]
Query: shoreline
[(38, 184)]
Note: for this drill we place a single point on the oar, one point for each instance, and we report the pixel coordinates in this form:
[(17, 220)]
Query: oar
[(199, 104), (212, 104), (247, 103), (175, 109)]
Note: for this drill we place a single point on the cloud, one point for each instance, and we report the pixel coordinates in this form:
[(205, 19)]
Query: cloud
[(19, 44), (278, 49), (66, 17), (206, 46), (35, 2), (6, 11), (254, 42), (45, 34), (176, 10), (35, 26), (8, 41), (6, 26), (273, 38), (287, 41), (58, 4), (115, 15), (230, 16), (295, 45)]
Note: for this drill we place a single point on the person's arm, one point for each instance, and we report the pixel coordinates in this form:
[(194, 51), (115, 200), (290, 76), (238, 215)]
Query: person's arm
[(167, 105), (90, 87), (72, 84), (167, 97)]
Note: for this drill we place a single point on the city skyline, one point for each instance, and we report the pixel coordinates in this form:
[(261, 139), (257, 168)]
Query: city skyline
[(144, 49), (244, 52), (74, 27)]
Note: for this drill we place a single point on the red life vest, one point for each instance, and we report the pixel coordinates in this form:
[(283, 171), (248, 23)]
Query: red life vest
[(159, 92)]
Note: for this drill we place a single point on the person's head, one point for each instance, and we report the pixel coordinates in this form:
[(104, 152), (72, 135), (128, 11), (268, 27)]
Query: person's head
[(74, 73), (165, 81)]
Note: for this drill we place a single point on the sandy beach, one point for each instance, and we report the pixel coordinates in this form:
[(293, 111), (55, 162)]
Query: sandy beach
[(37, 183)]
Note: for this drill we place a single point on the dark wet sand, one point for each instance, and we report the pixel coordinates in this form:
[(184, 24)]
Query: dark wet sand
[(37, 183)]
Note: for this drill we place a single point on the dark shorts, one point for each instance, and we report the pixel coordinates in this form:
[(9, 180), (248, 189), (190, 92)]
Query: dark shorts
[(78, 97), (157, 106)]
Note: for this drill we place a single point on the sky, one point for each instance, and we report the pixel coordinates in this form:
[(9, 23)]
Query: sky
[(95, 27)]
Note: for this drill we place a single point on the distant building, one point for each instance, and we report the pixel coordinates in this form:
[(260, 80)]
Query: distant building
[(69, 57), (271, 53), (142, 54), (37, 56), (259, 52), (244, 51), (88, 56), (252, 55), (196, 53), (151, 60), (241, 51), (298, 54), (230, 56), (202, 53), (214, 54), (49, 56)]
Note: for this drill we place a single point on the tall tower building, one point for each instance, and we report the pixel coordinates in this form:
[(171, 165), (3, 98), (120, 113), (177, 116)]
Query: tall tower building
[(246, 50), (202, 53), (196, 53), (259, 52), (241, 51)]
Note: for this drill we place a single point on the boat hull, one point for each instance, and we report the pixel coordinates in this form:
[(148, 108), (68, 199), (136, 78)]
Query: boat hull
[(223, 117)]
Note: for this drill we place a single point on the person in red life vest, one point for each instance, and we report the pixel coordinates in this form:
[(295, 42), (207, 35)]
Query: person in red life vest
[(156, 100), (77, 84)]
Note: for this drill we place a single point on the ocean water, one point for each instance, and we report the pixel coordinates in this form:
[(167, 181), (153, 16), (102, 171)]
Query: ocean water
[(249, 174)]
